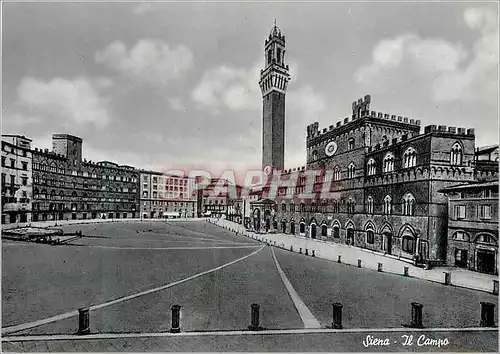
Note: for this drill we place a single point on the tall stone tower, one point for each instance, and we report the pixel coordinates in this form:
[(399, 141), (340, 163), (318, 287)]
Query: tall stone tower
[(273, 83)]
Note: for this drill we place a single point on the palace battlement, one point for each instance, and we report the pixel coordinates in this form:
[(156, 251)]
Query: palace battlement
[(360, 110), (450, 130)]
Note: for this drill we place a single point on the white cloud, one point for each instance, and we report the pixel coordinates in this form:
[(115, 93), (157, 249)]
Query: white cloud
[(452, 72), (148, 61), (176, 103), (69, 102), (226, 86)]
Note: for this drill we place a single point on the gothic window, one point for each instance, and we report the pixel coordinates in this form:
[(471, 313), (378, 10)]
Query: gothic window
[(336, 173), (371, 167), (387, 205), (410, 158), (351, 170), (269, 57), (279, 55), (350, 144), (369, 205), (408, 204), (336, 232), (370, 235), (408, 244), (456, 154), (388, 162)]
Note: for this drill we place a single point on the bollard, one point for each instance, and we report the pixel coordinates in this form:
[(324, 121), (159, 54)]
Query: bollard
[(291, 248), (406, 271), (379, 268), (487, 314), (359, 263), (416, 315), (313, 254), (83, 321), (447, 278), (176, 311), (339, 260), (254, 326), (300, 250), (495, 287), (337, 316), (307, 252)]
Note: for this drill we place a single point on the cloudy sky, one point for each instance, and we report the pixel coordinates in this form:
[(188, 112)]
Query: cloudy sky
[(162, 85)]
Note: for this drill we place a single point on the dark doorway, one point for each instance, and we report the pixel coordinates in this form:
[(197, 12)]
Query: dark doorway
[(324, 230), (302, 227), (283, 226), (388, 242), (486, 261), (313, 230), (94, 215), (461, 258), (350, 237), (23, 217), (73, 216), (292, 228), (12, 217)]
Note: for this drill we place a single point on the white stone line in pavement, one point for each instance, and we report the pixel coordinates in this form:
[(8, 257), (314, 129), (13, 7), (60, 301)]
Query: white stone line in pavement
[(305, 314), (29, 325), (54, 337), (170, 248)]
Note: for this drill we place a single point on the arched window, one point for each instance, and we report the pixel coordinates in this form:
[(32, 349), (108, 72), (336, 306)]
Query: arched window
[(410, 158), (350, 144), (370, 234), (336, 232), (61, 195), (461, 236), (387, 205), (336, 173), (315, 155), (279, 55), (408, 204), (408, 244), (456, 154), (351, 170), (388, 162), (369, 205), (269, 57), (408, 240), (371, 167), (486, 238)]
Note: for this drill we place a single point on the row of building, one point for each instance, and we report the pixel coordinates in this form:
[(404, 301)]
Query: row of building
[(58, 184)]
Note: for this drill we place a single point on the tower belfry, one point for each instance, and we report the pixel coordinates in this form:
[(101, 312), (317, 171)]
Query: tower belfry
[(273, 84)]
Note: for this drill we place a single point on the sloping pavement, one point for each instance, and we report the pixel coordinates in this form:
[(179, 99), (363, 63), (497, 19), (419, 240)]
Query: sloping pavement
[(369, 259)]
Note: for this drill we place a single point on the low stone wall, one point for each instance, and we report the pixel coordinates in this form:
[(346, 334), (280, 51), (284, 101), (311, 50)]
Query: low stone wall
[(44, 224)]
